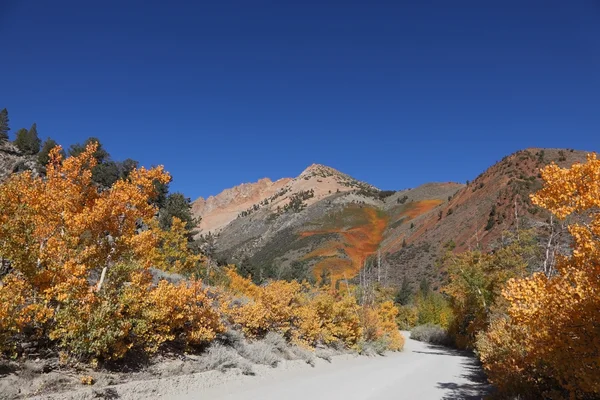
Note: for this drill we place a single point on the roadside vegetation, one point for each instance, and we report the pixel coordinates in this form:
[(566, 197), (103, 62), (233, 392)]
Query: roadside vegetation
[(97, 274), (98, 265), (529, 311)]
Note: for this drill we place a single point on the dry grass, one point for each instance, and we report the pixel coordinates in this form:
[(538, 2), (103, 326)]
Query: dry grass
[(277, 341), (232, 350), (303, 354), (221, 358), (260, 352), (324, 354), (430, 333)]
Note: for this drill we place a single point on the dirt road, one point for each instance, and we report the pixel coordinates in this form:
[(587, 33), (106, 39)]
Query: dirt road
[(421, 371)]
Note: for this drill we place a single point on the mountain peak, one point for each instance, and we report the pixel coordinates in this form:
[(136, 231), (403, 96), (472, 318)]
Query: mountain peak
[(320, 170)]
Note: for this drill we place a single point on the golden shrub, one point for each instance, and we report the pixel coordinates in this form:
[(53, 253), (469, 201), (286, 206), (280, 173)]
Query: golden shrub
[(61, 233), (272, 307), (308, 315), (19, 309), (334, 318), (387, 313), (408, 317), (549, 341), (168, 250), (164, 312)]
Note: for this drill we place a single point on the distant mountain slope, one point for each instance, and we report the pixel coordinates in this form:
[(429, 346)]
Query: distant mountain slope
[(326, 223), (476, 216), (218, 211), (321, 222)]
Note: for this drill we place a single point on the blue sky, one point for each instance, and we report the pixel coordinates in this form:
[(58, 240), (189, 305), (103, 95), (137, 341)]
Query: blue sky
[(394, 93)]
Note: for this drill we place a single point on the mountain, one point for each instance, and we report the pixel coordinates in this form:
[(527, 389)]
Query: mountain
[(12, 160), (476, 216), (218, 211), (326, 224)]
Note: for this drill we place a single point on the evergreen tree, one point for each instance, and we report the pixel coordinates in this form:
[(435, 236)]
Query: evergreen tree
[(177, 205), (245, 268), (43, 156), (425, 287), (162, 190), (28, 141), (127, 166), (405, 294), (4, 127), (325, 279), (33, 140), (101, 155), (21, 140), (106, 174)]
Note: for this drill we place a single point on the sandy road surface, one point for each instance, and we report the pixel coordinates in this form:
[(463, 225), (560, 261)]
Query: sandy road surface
[(421, 371)]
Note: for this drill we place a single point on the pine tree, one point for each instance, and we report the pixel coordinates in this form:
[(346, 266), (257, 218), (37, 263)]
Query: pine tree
[(177, 205), (21, 140), (33, 140), (325, 280), (28, 141), (425, 287), (106, 174), (4, 128), (100, 154), (405, 294), (126, 167)]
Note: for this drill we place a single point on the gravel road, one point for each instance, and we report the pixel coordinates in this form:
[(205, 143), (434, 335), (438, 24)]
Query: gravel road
[(421, 371)]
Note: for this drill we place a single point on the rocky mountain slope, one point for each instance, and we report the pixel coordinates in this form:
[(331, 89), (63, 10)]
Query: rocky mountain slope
[(12, 160), (476, 216), (325, 224), (247, 198)]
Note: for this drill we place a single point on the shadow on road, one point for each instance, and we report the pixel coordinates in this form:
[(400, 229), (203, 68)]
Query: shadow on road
[(476, 386), (473, 383)]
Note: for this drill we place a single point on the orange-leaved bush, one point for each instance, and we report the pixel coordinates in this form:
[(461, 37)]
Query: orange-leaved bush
[(548, 344), (169, 250), (272, 307), (79, 263), (379, 324), (307, 315)]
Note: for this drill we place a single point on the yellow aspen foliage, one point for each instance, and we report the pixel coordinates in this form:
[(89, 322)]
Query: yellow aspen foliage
[(169, 249), (388, 329), (162, 312), (549, 341), (307, 315), (19, 309), (379, 325), (433, 308), (329, 317), (408, 317), (268, 308), (475, 282), (56, 230), (78, 264)]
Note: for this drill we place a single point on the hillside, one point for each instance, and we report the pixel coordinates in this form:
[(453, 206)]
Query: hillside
[(12, 160), (477, 215), (324, 224), (243, 200)]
